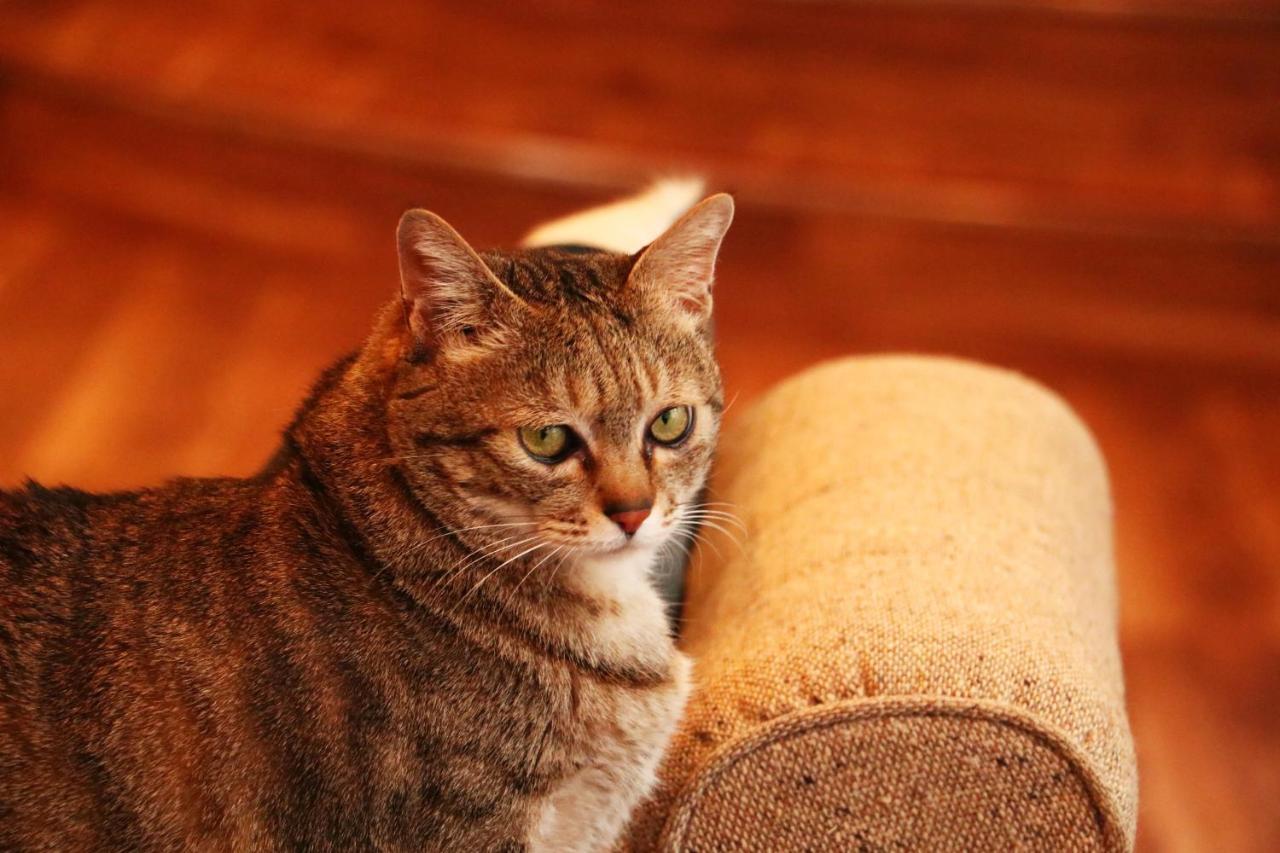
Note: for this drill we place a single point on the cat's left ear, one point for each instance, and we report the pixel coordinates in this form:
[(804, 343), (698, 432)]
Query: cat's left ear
[(445, 286), (677, 269)]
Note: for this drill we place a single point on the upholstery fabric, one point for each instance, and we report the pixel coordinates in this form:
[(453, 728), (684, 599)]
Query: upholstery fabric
[(914, 646)]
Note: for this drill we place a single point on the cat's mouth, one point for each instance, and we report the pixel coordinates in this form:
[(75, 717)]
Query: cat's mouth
[(624, 546), (601, 547), (620, 546)]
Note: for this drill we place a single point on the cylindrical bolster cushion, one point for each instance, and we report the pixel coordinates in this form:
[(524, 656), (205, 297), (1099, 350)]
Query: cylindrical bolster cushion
[(914, 648)]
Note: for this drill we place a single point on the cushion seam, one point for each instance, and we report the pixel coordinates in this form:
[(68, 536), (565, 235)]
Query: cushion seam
[(803, 721)]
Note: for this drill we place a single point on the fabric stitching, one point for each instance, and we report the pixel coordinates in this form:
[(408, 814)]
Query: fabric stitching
[(804, 721)]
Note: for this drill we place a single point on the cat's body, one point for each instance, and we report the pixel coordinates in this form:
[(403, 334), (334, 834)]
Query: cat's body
[(352, 650), (174, 690)]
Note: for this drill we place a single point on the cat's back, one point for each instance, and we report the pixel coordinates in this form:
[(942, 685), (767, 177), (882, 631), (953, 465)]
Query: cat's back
[(53, 538), (76, 570), (68, 558), (38, 524), (43, 536)]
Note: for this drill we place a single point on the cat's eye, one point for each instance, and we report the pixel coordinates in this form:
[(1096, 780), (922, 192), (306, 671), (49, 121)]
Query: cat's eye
[(549, 444), (672, 425)]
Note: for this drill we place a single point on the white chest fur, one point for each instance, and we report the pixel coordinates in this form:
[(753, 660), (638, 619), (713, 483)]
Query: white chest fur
[(628, 727)]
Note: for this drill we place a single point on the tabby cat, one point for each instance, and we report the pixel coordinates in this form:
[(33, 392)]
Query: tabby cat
[(427, 623)]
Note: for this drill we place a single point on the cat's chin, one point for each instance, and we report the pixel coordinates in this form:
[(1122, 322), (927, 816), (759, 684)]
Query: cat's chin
[(626, 557), (625, 546), (622, 576)]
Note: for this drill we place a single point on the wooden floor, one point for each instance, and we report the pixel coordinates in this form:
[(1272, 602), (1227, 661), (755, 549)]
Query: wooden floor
[(196, 214)]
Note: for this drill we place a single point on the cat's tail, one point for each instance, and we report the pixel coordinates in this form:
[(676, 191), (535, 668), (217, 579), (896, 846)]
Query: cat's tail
[(624, 226)]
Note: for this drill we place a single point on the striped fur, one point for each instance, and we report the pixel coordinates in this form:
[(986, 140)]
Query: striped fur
[(347, 651)]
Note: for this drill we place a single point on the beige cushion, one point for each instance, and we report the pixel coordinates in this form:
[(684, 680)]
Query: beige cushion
[(914, 648)]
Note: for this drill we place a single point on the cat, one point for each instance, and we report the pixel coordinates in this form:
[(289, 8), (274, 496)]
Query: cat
[(426, 624)]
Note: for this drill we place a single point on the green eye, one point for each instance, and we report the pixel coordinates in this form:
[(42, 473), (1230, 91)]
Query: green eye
[(547, 443), (672, 425)]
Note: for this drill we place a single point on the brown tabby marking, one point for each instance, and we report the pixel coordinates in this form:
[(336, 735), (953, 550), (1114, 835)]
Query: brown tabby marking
[(337, 654)]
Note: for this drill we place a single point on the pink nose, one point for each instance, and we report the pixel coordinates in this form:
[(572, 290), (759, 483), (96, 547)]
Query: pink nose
[(630, 519)]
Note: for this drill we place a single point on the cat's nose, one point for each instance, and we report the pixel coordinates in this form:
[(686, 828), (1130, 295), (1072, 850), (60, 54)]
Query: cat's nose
[(630, 519)]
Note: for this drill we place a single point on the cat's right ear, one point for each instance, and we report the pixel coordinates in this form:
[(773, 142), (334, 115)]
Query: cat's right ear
[(677, 269), (444, 285)]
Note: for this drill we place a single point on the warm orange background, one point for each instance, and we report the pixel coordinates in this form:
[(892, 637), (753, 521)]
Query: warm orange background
[(197, 203)]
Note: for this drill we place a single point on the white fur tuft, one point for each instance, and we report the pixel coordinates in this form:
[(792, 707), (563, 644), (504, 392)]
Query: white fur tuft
[(624, 226)]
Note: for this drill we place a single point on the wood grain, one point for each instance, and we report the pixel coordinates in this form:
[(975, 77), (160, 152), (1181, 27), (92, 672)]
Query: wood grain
[(198, 210)]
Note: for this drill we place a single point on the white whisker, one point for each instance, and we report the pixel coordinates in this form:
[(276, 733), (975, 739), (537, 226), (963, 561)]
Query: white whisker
[(477, 557), (714, 524), (704, 540), (706, 509), (418, 545), (495, 570), (557, 550), (699, 515), (452, 531), (560, 564), (719, 516)]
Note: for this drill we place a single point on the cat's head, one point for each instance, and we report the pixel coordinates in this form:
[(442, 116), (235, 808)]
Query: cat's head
[(551, 402)]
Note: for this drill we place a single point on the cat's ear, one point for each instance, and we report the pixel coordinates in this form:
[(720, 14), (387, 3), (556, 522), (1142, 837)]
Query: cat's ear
[(676, 270), (444, 284)]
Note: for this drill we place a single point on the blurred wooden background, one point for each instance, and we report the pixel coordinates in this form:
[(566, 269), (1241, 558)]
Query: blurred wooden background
[(197, 204)]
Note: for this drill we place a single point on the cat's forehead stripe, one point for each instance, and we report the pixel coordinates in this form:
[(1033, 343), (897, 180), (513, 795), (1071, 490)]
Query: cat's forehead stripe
[(570, 279)]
